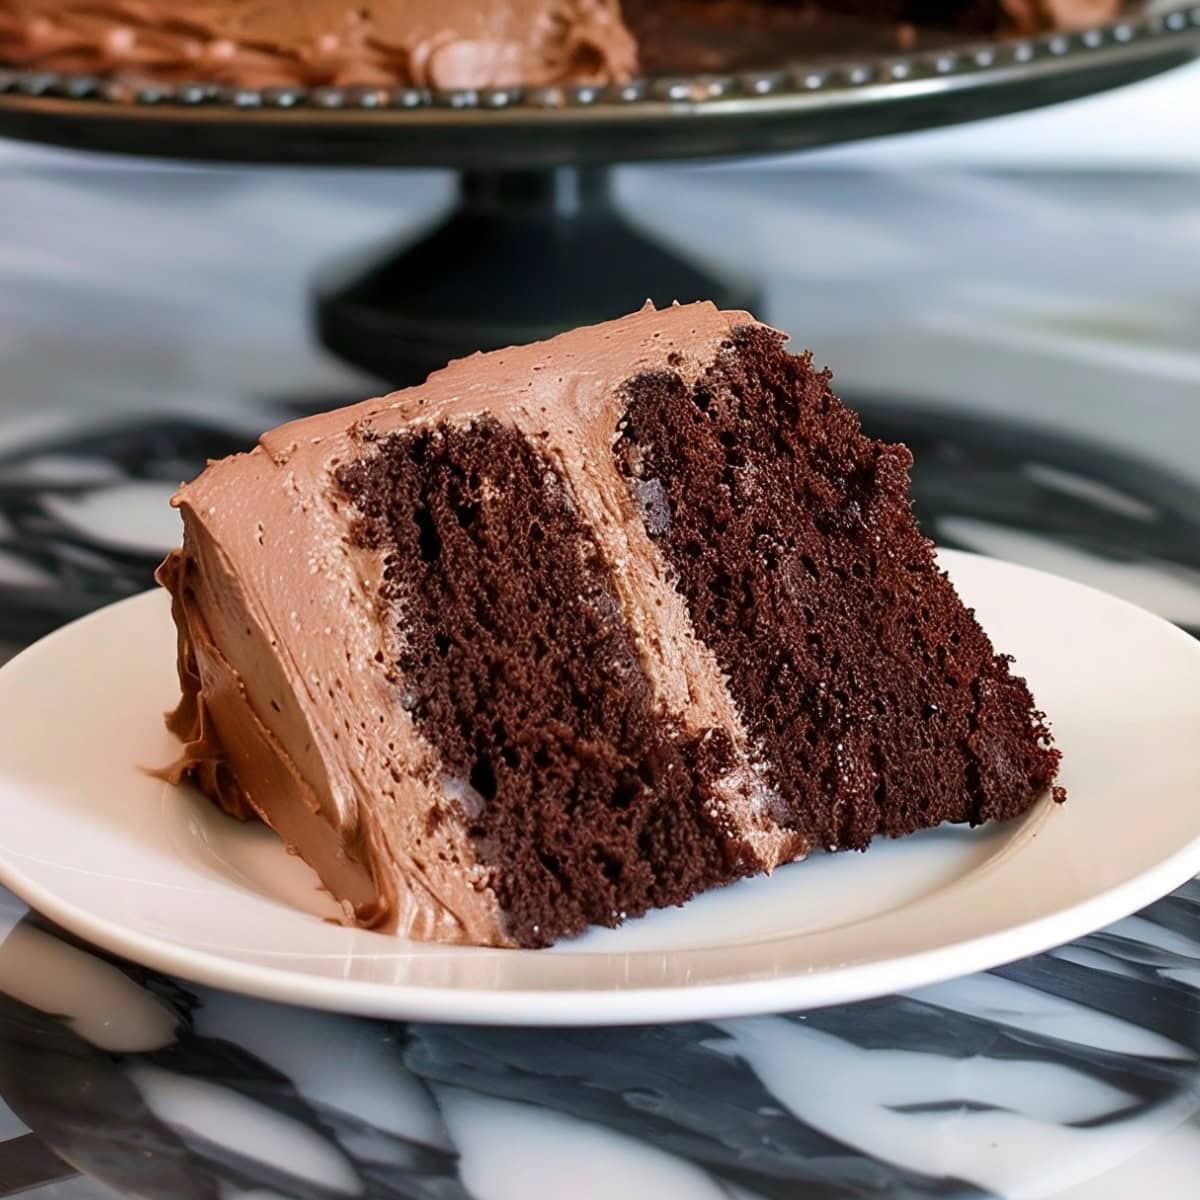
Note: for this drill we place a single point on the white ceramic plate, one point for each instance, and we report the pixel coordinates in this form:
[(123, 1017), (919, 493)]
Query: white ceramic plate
[(155, 873)]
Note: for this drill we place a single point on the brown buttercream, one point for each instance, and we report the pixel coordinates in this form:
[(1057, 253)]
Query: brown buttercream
[(258, 43), (439, 43), (1040, 16), (287, 710)]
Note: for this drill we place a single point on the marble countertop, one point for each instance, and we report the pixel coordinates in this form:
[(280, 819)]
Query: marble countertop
[(1073, 1074), (1036, 339)]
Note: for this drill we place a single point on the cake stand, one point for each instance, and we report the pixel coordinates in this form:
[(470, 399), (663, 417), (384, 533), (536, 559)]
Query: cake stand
[(536, 243)]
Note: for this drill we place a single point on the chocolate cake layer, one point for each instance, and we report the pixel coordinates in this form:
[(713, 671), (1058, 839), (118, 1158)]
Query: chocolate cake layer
[(688, 36), (879, 702), (509, 651)]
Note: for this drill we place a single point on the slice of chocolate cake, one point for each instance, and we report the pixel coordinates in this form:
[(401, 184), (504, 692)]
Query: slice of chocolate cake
[(581, 629)]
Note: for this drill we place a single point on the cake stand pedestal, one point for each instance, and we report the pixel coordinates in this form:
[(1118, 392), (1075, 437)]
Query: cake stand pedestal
[(524, 255)]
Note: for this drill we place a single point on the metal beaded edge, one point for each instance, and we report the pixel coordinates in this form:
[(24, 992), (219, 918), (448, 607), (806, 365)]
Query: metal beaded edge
[(803, 78)]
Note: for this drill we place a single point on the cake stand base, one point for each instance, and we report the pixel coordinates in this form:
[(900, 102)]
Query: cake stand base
[(525, 255)]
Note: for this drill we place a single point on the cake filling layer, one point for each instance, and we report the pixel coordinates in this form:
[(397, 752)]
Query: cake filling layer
[(879, 705), (507, 645)]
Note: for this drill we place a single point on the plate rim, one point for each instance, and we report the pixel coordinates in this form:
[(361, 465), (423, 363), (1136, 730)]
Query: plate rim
[(797, 991)]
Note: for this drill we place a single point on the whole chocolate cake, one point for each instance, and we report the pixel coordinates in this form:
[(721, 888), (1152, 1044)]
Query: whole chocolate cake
[(580, 629), (481, 43)]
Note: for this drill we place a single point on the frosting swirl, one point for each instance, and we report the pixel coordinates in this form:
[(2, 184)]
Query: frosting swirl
[(260, 43)]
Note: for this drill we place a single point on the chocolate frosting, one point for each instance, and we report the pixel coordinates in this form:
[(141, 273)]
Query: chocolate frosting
[(1040, 16), (258, 43), (287, 711), (420, 43)]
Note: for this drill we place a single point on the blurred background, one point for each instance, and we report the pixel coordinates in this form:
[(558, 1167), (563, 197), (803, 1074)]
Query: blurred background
[(1019, 298)]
